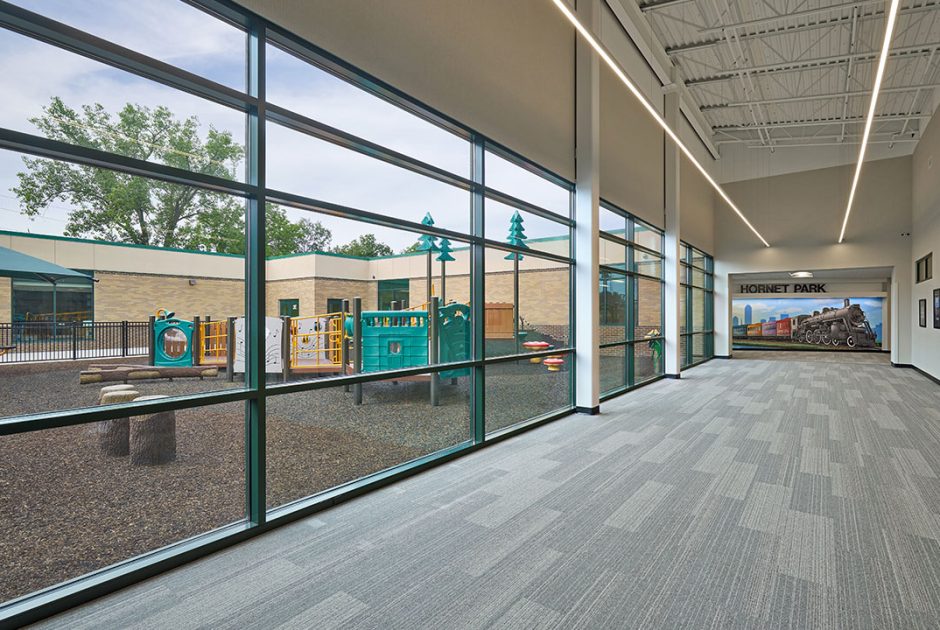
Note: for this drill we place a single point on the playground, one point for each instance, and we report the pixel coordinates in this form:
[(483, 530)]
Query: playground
[(56, 479)]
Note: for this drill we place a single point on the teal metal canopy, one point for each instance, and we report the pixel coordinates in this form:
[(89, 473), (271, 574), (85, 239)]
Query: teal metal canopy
[(14, 264)]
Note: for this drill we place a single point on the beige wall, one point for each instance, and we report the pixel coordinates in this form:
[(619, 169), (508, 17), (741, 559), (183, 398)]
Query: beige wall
[(6, 300), (801, 214), (697, 200), (631, 152), (135, 297), (925, 342), (504, 68)]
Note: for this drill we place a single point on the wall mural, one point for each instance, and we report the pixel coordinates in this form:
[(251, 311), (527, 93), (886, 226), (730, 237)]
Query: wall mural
[(802, 323)]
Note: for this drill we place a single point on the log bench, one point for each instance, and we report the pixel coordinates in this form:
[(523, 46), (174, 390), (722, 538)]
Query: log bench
[(124, 373)]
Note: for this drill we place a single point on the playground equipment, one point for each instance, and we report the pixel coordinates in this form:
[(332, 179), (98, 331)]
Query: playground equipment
[(554, 363), (536, 346), (172, 340)]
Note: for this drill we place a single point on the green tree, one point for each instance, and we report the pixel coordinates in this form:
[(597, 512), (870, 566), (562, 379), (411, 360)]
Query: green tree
[(117, 207), (366, 246), (517, 237)]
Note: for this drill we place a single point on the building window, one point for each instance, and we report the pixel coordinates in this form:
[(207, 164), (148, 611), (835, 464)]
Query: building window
[(67, 301), (924, 268), (696, 300), (393, 291), (631, 296)]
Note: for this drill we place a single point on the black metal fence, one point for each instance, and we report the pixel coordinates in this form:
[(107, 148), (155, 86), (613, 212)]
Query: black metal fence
[(64, 341)]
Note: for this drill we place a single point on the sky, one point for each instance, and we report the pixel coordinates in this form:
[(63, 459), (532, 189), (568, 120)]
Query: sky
[(177, 33), (765, 308)]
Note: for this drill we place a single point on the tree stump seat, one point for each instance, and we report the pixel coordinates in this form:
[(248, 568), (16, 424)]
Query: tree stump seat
[(153, 436), (114, 435)]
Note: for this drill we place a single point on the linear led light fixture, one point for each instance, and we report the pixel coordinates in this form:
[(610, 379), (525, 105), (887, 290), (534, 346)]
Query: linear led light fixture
[(609, 60), (879, 75)]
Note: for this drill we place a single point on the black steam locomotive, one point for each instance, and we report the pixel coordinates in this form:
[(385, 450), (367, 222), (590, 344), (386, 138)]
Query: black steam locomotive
[(836, 326)]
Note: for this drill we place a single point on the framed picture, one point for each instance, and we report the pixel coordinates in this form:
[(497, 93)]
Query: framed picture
[(936, 308), (922, 309)]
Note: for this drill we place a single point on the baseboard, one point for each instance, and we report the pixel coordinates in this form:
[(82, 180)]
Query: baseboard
[(918, 370), (590, 411), (672, 376), (722, 356), (808, 349)]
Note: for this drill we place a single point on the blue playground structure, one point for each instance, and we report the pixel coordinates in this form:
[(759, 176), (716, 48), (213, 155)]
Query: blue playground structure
[(173, 341)]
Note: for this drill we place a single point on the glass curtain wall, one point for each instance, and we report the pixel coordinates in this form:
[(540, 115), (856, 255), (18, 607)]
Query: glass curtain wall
[(631, 300), (297, 179), (697, 305)]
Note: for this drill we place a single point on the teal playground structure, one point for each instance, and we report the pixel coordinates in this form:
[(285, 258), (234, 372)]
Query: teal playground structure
[(400, 339), (173, 342)]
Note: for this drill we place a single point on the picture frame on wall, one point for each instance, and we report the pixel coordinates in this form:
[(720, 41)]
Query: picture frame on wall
[(922, 310), (936, 308)]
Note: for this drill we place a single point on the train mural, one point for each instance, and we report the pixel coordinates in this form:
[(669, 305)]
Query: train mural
[(844, 326)]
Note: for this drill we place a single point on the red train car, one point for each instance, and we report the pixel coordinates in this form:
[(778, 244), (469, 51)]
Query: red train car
[(785, 327)]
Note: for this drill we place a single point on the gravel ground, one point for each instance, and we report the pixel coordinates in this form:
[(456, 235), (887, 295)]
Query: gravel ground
[(67, 509)]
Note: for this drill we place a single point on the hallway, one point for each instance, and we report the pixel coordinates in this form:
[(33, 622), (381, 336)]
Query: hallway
[(750, 493)]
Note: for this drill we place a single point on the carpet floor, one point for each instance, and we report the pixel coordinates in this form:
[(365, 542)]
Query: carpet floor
[(748, 494)]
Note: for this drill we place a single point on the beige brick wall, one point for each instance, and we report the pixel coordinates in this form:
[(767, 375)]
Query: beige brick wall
[(135, 297), (314, 293), (543, 294), (6, 300)]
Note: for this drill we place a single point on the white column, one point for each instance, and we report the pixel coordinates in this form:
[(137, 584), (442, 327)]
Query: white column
[(673, 349), (587, 199), (722, 311)]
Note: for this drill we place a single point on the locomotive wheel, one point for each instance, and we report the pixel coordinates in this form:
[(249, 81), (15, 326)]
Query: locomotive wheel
[(836, 342), (817, 337), (850, 341), (825, 339)]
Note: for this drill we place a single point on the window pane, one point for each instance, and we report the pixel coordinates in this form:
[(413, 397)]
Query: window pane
[(647, 264), (168, 30), (304, 165), (647, 360), (613, 306), (83, 335), (321, 439), (92, 495), (698, 277), (683, 311), (613, 223), (379, 265), (67, 97), (546, 386), (544, 306), (505, 224), (649, 309), (698, 310), (509, 178), (612, 254), (698, 347), (310, 91), (647, 236), (613, 368)]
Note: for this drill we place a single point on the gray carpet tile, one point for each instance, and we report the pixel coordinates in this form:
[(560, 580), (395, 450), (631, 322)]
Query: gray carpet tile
[(750, 493)]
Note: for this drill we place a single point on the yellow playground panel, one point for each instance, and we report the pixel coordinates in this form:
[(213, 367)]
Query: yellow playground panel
[(213, 343), (316, 343)]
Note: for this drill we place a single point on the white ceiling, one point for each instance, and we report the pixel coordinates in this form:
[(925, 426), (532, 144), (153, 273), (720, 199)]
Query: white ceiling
[(769, 74)]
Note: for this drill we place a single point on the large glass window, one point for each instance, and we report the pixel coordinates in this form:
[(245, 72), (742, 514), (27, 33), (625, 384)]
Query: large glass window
[(696, 304), (631, 295), (134, 403)]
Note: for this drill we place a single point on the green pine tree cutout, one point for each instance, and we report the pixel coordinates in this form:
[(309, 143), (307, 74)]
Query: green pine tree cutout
[(426, 242), (516, 236), (445, 251)]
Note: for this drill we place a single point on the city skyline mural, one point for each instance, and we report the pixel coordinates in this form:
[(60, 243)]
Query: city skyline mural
[(832, 323)]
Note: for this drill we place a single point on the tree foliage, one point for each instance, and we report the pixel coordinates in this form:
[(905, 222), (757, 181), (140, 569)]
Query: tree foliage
[(366, 246), (118, 207)]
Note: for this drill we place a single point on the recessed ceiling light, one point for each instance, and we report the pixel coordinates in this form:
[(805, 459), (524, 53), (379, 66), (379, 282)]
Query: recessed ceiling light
[(609, 60), (879, 75), (801, 274)]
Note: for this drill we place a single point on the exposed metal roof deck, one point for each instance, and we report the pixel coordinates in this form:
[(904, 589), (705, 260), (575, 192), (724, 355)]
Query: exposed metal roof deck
[(771, 73)]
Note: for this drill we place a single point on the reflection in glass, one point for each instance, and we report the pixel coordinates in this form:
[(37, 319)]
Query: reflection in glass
[(509, 178), (613, 368), (517, 391), (320, 439), (85, 498), (312, 92)]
